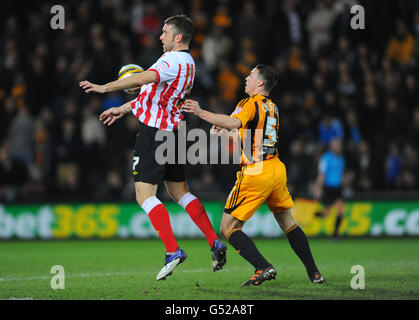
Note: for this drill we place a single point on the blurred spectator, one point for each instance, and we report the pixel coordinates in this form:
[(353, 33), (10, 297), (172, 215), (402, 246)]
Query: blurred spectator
[(345, 85), (364, 166), (21, 137), (43, 141), (318, 25), (247, 58), (228, 82), (416, 24), (111, 189), (411, 92), (35, 189), (345, 52), (68, 143), (329, 128), (408, 180), (352, 123), (410, 157), (13, 173), (298, 168), (137, 14), (68, 181), (395, 121), (401, 45), (290, 24), (249, 25), (7, 114), (92, 130), (150, 24), (392, 165), (222, 17), (215, 47), (413, 132)]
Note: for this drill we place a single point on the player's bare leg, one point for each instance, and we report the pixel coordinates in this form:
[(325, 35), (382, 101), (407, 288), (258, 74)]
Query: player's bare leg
[(299, 243), (176, 190), (231, 229), (180, 193), (159, 217), (144, 190)]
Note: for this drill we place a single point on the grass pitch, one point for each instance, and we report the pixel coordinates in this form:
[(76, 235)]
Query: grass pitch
[(126, 269)]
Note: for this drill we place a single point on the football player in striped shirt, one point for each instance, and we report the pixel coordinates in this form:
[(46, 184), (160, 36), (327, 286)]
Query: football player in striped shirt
[(262, 177), (164, 87)]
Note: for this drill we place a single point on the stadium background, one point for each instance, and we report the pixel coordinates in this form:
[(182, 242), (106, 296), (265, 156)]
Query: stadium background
[(63, 175), (361, 85)]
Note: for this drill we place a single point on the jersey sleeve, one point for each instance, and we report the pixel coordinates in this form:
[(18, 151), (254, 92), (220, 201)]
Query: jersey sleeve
[(245, 111), (166, 68)]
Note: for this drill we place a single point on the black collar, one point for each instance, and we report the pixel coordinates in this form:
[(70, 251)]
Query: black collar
[(186, 50)]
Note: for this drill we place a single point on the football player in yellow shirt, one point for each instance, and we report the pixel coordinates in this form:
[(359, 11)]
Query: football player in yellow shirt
[(262, 177)]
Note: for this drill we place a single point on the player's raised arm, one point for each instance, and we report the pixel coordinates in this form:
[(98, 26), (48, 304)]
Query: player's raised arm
[(135, 80), (219, 120)]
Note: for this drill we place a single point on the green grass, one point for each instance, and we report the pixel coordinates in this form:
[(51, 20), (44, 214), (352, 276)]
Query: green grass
[(126, 269)]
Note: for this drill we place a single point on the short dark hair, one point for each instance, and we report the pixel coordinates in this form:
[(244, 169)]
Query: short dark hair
[(270, 76), (183, 26)]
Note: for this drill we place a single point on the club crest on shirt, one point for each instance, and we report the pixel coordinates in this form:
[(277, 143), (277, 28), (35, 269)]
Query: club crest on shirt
[(162, 66)]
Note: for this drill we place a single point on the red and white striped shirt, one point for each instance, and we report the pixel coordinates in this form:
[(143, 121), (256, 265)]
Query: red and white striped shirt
[(159, 103)]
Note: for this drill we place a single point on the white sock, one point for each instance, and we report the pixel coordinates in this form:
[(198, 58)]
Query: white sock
[(186, 199), (150, 203)]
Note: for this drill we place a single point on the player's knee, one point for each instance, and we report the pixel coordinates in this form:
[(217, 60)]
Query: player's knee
[(224, 231), (229, 225), (285, 219), (142, 197)]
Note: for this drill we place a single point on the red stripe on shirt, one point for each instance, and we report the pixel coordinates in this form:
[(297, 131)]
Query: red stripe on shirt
[(141, 104), (166, 98), (192, 76), (188, 67), (149, 102), (191, 84), (140, 99), (160, 103)]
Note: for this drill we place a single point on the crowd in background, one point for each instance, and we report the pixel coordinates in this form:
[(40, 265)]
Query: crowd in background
[(360, 85)]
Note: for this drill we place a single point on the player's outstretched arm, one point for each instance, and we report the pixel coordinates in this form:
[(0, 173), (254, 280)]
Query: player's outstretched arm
[(112, 114), (219, 120), (135, 80)]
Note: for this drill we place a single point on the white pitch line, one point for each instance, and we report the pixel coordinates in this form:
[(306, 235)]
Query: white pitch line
[(101, 274)]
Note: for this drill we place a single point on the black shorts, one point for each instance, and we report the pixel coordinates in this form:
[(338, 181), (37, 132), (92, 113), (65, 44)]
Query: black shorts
[(330, 195), (145, 166)]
